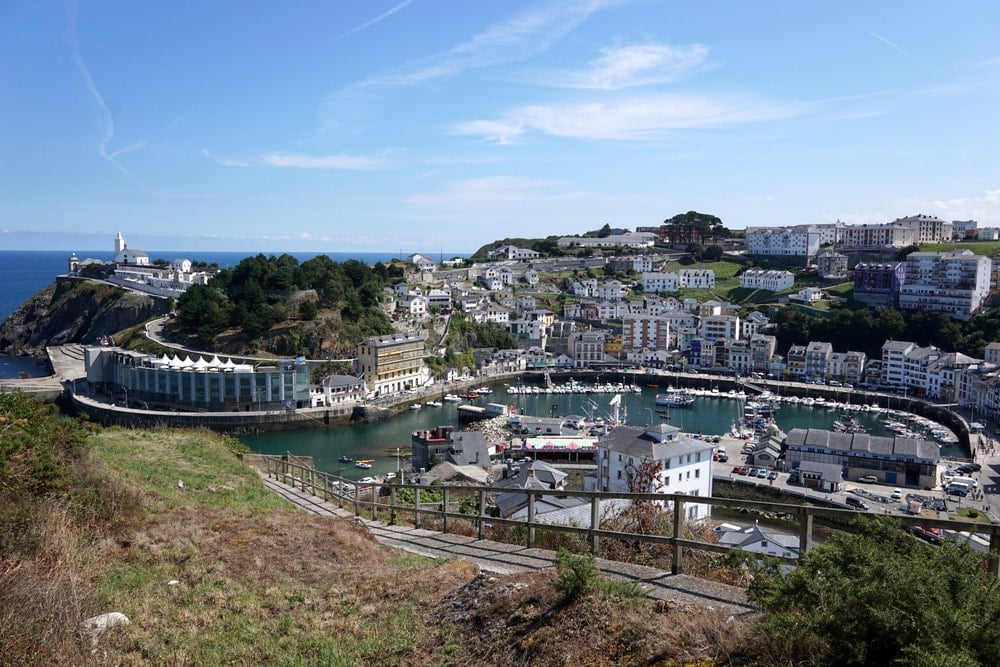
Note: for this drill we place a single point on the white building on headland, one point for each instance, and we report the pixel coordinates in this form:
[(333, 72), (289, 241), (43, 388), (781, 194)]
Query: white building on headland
[(134, 270)]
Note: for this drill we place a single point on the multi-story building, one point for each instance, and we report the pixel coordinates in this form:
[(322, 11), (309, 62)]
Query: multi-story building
[(762, 349), (941, 382), (740, 356), (754, 323), (831, 265), (770, 280), (792, 245), (817, 354), (512, 252), (795, 361), (392, 363), (654, 281), (657, 459), (879, 283), (928, 228), (696, 278), (961, 229), (894, 362), (878, 237), (846, 366), (587, 348), (641, 332), (953, 283), (720, 327)]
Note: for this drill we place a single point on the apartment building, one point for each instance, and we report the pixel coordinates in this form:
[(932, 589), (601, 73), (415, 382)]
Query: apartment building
[(893, 373), (878, 236), (794, 245), (770, 280), (954, 283), (645, 332), (392, 363), (817, 354), (657, 459), (879, 283)]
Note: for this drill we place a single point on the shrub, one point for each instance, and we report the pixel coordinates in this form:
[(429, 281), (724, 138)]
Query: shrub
[(577, 574)]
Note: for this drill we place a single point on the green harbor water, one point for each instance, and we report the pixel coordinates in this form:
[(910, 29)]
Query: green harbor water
[(380, 440)]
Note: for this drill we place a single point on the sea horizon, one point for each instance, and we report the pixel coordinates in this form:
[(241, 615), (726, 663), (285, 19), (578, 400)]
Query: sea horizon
[(24, 273)]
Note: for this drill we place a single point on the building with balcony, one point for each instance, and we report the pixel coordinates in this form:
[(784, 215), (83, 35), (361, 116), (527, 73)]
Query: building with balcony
[(392, 363)]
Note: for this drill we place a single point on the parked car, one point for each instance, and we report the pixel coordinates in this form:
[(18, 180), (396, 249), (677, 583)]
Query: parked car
[(897, 494), (856, 503), (772, 475), (868, 479), (752, 472), (762, 473)]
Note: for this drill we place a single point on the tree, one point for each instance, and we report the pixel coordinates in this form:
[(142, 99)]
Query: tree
[(604, 232), (880, 597), (694, 226), (712, 253)]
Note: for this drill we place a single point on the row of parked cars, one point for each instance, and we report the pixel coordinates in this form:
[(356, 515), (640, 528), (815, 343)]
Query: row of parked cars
[(761, 473)]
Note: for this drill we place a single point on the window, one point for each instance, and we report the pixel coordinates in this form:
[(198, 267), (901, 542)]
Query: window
[(697, 473), (619, 474), (666, 480)]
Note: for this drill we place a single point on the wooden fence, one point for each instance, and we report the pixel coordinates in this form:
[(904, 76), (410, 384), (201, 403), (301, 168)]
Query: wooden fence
[(371, 498)]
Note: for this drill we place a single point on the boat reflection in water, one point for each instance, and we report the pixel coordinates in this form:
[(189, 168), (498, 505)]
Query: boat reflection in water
[(386, 444)]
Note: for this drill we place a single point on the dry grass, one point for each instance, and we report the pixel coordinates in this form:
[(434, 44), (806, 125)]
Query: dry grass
[(221, 571)]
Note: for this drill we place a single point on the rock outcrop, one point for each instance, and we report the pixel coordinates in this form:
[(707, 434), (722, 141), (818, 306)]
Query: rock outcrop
[(74, 310)]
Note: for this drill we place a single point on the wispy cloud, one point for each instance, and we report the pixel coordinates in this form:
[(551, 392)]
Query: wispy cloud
[(886, 41), (378, 19), (302, 161), (517, 39), (647, 117), (180, 119), (983, 207), (493, 190), (634, 65), (111, 157)]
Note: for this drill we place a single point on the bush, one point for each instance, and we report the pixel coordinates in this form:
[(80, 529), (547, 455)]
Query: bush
[(880, 597), (577, 574)]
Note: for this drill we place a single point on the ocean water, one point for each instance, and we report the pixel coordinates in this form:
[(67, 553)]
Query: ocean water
[(24, 273)]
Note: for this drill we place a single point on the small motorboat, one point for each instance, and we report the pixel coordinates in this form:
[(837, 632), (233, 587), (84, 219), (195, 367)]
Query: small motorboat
[(364, 464), (345, 459)]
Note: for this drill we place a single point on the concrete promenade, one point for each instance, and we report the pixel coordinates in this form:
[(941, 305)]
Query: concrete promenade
[(502, 558)]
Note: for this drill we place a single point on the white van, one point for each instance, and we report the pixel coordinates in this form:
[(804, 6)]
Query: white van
[(968, 481)]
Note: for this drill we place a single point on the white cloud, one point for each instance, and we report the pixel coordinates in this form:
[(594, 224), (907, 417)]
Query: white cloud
[(378, 19), (635, 65), (984, 207), (516, 39), (646, 117), (303, 161)]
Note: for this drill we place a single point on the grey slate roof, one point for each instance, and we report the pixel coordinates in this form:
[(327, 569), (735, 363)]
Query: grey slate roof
[(635, 442), (863, 443)]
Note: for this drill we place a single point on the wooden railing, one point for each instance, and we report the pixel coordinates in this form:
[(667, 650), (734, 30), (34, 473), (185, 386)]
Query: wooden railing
[(370, 498)]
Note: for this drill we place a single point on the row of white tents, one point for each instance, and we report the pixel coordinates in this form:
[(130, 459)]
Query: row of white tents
[(187, 364)]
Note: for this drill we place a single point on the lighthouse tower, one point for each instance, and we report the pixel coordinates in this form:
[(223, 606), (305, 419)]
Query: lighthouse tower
[(119, 247)]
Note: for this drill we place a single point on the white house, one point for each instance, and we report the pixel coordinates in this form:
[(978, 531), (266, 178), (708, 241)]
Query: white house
[(696, 278), (513, 252), (655, 281), (756, 540), (770, 280), (655, 460)]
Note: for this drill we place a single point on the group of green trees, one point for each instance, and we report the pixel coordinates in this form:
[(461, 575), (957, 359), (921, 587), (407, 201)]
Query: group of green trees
[(253, 296), (865, 329), (880, 597)]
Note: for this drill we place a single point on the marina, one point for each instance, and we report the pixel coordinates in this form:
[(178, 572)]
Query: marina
[(387, 443)]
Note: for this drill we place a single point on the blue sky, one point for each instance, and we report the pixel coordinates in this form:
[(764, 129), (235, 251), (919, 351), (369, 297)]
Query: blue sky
[(438, 125)]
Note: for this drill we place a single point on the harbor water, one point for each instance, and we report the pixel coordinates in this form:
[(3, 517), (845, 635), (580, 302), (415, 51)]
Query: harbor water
[(379, 441)]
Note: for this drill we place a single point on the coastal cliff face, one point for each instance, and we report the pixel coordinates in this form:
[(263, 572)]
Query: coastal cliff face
[(74, 311)]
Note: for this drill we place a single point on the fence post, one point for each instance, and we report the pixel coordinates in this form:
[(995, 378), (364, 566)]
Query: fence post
[(595, 523), (805, 532), (392, 502), (531, 519), (444, 517), (416, 508), (482, 513), (675, 567)]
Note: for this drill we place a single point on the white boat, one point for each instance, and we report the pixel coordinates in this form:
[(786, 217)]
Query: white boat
[(452, 398), (415, 406), (433, 404)]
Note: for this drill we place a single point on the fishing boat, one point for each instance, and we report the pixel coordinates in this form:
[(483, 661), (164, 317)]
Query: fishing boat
[(452, 398), (345, 459), (675, 399), (433, 404), (415, 406), (364, 464)]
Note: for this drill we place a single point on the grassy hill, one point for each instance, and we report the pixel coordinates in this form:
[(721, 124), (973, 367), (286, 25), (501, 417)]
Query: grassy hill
[(169, 528)]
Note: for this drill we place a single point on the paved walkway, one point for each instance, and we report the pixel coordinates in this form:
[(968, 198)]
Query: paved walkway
[(504, 558)]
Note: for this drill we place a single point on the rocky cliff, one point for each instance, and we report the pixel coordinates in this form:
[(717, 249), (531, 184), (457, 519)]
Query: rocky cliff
[(73, 310)]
